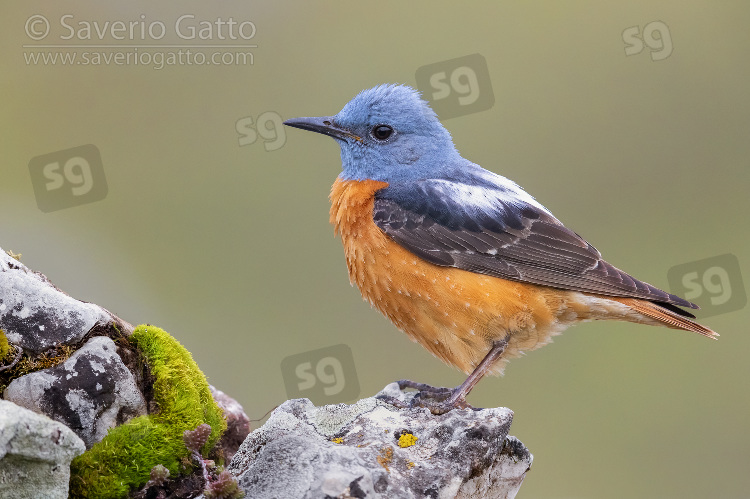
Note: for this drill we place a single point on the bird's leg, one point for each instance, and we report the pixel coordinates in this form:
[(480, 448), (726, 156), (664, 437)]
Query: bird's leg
[(458, 397), (446, 399)]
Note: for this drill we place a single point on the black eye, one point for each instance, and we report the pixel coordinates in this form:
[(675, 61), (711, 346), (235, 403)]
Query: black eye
[(382, 132)]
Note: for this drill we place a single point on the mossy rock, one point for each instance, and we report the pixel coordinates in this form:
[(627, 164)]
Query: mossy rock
[(122, 461), (4, 345)]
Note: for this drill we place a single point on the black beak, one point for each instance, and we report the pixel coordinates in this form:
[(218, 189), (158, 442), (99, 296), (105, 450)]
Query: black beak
[(322, 125)]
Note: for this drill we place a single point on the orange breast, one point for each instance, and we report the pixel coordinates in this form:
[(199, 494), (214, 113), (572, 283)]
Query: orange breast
[(455, 314)]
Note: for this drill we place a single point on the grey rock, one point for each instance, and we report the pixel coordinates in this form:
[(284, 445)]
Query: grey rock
[(35, 454), (90, 392), (36, 315), (344, 451), (238, 424)]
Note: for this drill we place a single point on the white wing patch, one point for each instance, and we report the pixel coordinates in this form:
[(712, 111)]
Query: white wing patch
[(487, 199), (505, 184)]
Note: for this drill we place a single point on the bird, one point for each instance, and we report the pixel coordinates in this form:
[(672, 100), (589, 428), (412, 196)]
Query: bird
[(461, 259)]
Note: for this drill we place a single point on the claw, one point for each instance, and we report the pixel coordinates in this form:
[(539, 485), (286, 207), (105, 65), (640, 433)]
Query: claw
[(438, 400), (423, 387)]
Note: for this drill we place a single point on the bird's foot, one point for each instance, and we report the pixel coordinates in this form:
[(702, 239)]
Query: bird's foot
[(435, 391), (437, 399)]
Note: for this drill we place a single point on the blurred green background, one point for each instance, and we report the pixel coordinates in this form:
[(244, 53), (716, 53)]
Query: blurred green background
[(228, 246)]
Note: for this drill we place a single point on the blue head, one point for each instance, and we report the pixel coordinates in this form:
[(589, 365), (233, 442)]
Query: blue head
[(387, 133)]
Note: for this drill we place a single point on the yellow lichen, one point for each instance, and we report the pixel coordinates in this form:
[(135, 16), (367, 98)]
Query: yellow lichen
[(407, 440), (16, 256), (385, 458), (337, 440)]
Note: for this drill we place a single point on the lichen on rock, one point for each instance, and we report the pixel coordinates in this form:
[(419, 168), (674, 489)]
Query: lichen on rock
[(376, 450), (36, 315)]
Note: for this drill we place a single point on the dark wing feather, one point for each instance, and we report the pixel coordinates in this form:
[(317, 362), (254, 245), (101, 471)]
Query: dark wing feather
[(502, 236)]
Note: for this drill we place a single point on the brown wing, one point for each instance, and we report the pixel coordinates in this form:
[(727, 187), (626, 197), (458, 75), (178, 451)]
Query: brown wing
[(504, 237)]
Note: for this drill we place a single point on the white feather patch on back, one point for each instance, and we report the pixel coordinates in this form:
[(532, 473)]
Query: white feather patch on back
[(487, 199)]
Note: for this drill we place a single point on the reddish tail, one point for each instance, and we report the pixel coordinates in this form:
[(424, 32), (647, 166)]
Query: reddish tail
[(667, 317)]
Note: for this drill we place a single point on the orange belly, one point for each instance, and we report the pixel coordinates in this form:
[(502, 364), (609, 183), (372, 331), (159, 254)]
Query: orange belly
[(455, 314)]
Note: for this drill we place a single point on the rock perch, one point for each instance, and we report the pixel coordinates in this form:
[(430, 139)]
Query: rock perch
[(35, 454), (372, 449)]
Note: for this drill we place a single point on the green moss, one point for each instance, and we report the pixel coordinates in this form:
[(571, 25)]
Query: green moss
[(123, 460), (4, 345)]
